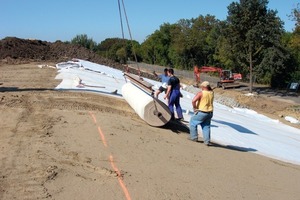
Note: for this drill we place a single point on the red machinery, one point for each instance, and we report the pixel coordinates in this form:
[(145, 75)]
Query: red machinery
[(227, 78)]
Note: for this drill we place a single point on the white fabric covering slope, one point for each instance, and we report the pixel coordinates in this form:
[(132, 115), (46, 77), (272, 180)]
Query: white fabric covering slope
[(238, 128)]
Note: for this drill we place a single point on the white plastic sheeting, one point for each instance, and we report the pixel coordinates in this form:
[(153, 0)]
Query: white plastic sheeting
[(238, 128)]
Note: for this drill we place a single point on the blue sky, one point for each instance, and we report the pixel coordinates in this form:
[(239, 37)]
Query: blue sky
[(52, 20)]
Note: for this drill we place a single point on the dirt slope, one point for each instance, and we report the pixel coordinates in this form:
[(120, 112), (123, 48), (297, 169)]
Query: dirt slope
[(74, 145)]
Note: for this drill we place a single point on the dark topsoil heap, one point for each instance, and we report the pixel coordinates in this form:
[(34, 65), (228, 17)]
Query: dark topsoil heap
[(19, 51)]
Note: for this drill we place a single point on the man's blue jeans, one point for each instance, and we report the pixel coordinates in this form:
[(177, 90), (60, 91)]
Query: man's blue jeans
[(204, 120)]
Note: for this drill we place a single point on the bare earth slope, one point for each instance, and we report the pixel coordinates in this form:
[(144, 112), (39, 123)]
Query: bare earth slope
[(71, 145)]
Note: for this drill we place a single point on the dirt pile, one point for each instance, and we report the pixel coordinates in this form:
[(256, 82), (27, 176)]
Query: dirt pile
[(21, 51), (15, 51)]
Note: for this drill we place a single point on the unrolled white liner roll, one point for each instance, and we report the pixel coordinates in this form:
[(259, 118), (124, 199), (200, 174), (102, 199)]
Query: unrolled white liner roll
[(150, 109)]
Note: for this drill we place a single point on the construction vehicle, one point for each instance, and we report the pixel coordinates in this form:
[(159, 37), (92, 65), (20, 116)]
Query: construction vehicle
[(227, 78)]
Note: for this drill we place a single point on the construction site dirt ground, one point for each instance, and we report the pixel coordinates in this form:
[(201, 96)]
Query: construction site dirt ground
[(77, 145)]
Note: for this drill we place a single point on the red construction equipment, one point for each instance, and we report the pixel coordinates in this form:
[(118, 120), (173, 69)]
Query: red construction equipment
[(227, 78)]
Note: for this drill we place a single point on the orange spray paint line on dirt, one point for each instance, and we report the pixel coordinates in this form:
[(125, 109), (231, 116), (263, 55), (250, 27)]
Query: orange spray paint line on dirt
[(94, 118), (125, 190), (102, 136)]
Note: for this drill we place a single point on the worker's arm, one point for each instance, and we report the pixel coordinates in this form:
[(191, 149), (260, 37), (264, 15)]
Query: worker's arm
[(168, 92), (196, 99)]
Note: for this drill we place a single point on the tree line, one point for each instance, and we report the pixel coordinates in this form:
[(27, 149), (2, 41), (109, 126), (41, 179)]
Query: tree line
[(251, 41)]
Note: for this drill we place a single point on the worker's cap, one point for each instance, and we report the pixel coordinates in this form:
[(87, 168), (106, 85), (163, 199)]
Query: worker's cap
[(204, 84)]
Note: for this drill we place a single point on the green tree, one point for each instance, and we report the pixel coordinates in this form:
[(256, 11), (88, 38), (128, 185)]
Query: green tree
[(201, 40), (294, 42), (224, 56), (156, 47), (133, 51), (252, 31), (295, 15), (178, 48), (183, 44), (84, 41), (109, 47), (119, 50), (147, 50)]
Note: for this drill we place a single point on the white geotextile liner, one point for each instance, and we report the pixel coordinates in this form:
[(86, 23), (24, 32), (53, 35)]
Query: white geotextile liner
[(151, 110)]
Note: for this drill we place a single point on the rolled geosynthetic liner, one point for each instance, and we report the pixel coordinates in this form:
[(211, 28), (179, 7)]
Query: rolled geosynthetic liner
[(151, 110)]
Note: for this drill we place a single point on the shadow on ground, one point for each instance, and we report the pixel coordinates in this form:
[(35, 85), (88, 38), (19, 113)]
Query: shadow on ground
[(232, 147), (177, 127), (15, 89)]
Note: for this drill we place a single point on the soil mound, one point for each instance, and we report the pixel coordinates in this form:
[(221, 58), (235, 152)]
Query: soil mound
[(15, 51), (21, 51)]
